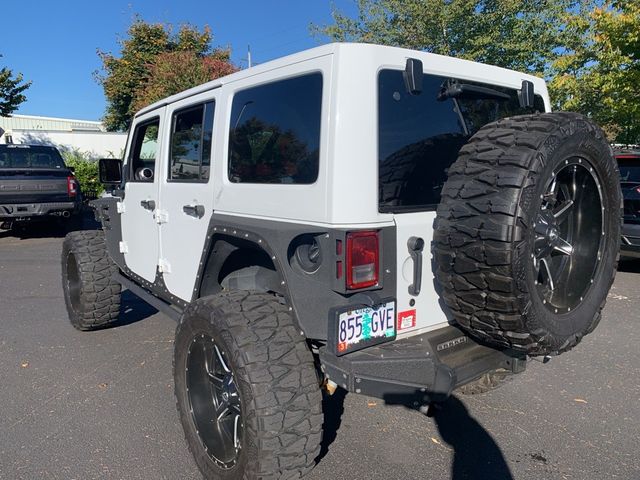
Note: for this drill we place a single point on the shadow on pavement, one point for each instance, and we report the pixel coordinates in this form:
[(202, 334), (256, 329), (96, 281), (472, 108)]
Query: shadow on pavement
[(132, 310), (476, 455), (333, 408)]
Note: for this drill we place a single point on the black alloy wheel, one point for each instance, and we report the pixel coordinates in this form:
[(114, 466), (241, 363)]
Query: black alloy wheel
[(214, 401), (568, 235)]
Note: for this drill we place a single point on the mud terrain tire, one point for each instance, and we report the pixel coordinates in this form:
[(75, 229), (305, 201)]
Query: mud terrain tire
[(519, 189), (269, 365), (91, 295)]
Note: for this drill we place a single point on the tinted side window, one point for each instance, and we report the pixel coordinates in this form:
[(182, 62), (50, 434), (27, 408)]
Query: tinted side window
[(144, 151), (419, 136), (274, 136), (191, 143)]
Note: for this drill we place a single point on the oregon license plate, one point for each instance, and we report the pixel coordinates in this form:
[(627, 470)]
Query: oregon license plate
[(363, 327)]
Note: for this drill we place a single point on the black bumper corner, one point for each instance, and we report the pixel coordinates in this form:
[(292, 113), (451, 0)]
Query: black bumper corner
[(417, 370)]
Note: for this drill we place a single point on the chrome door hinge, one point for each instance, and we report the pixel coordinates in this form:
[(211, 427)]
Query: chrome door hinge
[(123, 247), (164, 266), (120, 207), (161, 216)]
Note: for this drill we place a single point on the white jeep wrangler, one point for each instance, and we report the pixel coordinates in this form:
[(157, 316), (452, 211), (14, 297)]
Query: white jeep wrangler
[(395, 223)]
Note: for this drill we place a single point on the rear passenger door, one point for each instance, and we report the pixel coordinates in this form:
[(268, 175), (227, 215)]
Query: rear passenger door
[(186, 191)]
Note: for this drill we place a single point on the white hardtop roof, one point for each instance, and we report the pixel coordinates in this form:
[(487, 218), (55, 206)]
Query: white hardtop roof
[(328, 49)]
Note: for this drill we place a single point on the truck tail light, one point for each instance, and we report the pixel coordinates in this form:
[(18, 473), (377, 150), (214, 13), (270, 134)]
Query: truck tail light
[(362, 260), (72, 186)]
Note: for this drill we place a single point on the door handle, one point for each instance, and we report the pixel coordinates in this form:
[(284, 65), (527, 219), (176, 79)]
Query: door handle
[(416, 245), (148, 204), (196, 211)]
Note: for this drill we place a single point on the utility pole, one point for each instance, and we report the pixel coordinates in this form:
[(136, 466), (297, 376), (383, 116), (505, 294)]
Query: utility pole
[(249, 55)]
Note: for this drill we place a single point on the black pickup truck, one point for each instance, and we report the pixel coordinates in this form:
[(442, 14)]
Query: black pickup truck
[(629, 163), (35, 183)]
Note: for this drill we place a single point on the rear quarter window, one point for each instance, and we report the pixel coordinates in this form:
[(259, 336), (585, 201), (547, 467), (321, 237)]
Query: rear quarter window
[(274, 133)]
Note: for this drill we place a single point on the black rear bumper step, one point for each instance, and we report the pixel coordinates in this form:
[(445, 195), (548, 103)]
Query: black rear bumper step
[(419, 369)]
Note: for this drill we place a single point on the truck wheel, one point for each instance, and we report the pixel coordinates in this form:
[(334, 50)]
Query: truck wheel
[(90, 293), (487, 382), (246, 388), (527, 233)]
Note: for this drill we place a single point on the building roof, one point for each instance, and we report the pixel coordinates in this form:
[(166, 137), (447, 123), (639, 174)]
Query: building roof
[(31, 122)]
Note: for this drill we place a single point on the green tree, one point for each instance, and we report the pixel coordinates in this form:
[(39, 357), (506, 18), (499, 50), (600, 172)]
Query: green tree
[(126, 78), (11, 91), (599, 74), (523, 35), (173, 72)]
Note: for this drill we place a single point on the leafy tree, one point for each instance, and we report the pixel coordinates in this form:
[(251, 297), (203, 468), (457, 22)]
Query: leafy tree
[(518, 34), (173, 72), (11, 91), (130, 78), (599, 73)]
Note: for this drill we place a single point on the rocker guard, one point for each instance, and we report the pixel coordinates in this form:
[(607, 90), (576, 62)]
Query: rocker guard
[(417, 370)]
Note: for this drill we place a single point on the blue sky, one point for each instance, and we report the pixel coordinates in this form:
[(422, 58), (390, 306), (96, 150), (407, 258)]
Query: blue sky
[(54, 43)]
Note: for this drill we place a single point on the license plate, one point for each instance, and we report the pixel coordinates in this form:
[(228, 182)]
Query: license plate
[(363, 327)]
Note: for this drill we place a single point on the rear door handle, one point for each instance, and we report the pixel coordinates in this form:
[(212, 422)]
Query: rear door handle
[(196, 211), (148, 204), (416, 245)]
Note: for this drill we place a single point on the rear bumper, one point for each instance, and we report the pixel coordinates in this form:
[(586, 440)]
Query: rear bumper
[(29, 210), (419, 369), (630, 242)]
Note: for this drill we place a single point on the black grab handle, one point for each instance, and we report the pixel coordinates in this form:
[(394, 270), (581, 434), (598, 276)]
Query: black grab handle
[(416, 245)]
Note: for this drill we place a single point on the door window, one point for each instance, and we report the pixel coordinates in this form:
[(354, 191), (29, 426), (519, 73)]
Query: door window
[(191, 136), (144, 152)]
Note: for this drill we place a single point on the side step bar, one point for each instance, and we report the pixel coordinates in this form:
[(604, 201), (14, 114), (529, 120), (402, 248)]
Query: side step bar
[(151, 299)]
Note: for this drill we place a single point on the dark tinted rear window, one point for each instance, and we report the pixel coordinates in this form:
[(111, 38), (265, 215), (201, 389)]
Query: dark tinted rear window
[(629, 168), (419, 136), (30, 157), (274, 136)]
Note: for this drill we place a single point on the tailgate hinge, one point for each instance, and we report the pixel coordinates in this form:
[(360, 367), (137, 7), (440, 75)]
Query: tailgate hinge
[(123, 247), (120, 207)]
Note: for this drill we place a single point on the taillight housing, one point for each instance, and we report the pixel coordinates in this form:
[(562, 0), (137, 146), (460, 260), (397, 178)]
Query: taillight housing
[(72, 186), (362, 259)]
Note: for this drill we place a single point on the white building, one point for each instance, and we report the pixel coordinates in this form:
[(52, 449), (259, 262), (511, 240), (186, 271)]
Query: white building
[(67, 134)]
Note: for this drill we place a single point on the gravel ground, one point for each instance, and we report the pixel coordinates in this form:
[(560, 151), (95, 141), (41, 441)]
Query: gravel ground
[(100, 405)]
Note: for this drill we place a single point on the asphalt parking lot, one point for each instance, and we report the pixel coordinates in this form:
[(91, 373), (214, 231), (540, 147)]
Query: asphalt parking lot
[(100, 405)]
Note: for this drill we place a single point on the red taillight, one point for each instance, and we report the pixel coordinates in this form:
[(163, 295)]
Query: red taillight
[(72, 186), (362, 260)]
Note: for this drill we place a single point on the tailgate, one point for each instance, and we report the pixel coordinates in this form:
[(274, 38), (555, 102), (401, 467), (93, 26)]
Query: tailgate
[(33, 186)]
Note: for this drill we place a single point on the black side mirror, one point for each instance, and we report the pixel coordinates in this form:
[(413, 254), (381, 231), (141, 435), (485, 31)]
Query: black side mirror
[(110, 171), (413, 76)]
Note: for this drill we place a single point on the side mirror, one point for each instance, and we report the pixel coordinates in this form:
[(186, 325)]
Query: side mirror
[(110, 171)]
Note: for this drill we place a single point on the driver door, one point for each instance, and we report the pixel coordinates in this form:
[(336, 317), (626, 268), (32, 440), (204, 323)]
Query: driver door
[(140, 236)]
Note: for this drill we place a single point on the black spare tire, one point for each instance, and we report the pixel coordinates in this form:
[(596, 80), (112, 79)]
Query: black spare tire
[(527, 233)]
